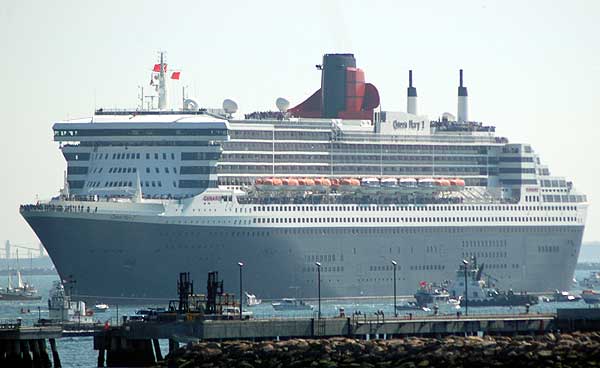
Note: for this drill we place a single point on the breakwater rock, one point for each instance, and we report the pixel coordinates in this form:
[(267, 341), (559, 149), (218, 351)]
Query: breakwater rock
[(557, 350)]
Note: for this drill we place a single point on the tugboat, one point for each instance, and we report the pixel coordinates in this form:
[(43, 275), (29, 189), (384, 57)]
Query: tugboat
[(480, 294), (287, 304), (429, 293), (63, 310)]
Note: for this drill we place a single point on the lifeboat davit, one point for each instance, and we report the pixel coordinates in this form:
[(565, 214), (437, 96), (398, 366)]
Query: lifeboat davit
[(389, 183), (408, 183), (369, 182), (426, 183)]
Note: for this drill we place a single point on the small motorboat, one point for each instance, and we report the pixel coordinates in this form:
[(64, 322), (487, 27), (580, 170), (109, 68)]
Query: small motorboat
[(101, 307), (251, 300), (408, 305), (287, 304), (591, 296), (564, 296)]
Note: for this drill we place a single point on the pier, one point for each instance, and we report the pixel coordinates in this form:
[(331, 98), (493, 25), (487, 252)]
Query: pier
[(22, 346), (137, 342)]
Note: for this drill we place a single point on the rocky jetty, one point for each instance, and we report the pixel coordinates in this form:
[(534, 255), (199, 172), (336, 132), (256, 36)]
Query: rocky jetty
[(550, 350)]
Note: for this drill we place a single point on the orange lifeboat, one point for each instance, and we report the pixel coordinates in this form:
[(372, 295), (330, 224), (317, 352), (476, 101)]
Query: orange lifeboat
[(277, 182), (267, 181), (443, 183), (335, 183), (354, 182), (326, 182), (346, 181), (457, 182), (292, 182), (301, 181), (309, 182), (318, 181), (258, 181)]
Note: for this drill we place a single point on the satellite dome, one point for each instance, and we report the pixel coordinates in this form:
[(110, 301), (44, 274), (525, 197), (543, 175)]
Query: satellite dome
[(230, 106), (282, 104)]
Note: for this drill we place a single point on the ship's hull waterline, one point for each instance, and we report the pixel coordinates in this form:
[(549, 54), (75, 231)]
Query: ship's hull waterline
[(121, 259)]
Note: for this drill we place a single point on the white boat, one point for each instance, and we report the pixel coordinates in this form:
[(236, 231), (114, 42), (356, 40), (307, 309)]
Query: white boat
[(251, 300), (287, 304), (101, 307)]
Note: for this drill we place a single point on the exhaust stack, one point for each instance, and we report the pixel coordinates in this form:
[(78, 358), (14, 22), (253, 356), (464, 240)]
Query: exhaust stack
[(463, 105), (411, 93)]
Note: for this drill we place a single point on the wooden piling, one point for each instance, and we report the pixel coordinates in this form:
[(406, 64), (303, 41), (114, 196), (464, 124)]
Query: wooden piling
[(157, 351), (45, 358), (55, 356), (101, 357)]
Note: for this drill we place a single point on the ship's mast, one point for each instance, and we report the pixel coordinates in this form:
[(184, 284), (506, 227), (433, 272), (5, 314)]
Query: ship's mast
[(162, 85)]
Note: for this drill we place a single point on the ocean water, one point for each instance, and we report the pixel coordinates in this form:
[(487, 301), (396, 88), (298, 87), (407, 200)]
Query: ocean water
[(78, 351)]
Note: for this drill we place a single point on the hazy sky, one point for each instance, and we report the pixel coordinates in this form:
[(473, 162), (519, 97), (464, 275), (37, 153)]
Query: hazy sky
[(532, 69)]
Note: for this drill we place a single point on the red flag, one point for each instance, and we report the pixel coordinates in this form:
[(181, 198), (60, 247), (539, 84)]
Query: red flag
[(157, 68), (175, 75)]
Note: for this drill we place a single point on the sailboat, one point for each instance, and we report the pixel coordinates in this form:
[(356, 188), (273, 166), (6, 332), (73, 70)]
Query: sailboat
[(23, 291)]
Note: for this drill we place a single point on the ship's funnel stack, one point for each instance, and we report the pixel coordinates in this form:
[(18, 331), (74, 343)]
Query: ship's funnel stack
[(344, 94), (333, 82), (411, 101), (463, 105), (162, 84)]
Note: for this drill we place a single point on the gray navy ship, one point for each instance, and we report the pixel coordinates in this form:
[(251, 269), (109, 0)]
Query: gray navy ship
[(333, 182)]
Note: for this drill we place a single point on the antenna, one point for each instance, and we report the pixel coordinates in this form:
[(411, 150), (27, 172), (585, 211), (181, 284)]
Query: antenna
[(461, 77), (162, 84)]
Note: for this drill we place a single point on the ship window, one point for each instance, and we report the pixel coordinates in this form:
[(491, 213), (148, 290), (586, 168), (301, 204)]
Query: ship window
[(156, 169), (175, 170), (148, 170), (172, 156), (137, 156), (156, 156), (147, 156), (164, 156), (134, 170), (167, 170), (159, 183), (147, 183), (153, 183), (174, 184)]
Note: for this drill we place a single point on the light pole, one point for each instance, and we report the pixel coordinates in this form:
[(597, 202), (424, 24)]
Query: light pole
[(318, 264), (241, 264), (466, 266), (395, 310)]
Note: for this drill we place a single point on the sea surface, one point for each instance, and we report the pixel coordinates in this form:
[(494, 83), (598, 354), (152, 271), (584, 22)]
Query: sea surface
[(78, 351)]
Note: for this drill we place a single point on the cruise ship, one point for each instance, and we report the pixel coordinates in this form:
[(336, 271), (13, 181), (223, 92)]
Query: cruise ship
[(334, 186)]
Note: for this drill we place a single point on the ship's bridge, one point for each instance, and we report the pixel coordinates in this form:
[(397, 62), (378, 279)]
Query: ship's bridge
[(172, 154)]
